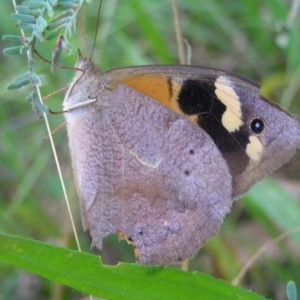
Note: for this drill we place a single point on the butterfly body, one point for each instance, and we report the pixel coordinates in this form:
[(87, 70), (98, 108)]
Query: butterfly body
[(159, 153)]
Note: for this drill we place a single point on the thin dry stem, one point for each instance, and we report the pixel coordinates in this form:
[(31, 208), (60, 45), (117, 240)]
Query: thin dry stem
[(54, 93), (185, 265), (47, 137), (179, 38), (262, 250)]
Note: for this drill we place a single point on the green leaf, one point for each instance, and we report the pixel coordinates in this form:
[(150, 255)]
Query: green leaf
[(21, 78), (34, 4), (291, 291), (39, 28), (52, 2), (49, 9), (41, 107), (26, 10), (17, 86), (23, 9), (52, 35), (23, 18), (40, 25), (42, 21), (85, 273), (20, 81), (13, 50), (14, 38), (38, 34), (25, 26), (66, 5), (59, 23), (36, 80)]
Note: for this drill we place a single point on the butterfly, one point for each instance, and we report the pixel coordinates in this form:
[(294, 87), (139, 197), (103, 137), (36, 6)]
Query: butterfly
[(160, 153)]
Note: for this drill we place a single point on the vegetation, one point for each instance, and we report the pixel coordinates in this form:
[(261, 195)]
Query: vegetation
[(257, 39)]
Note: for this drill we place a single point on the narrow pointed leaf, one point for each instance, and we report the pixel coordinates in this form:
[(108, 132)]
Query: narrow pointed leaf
[(85, 273)]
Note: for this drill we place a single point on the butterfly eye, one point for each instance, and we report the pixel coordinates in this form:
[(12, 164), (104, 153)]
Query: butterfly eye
[(257, 125)]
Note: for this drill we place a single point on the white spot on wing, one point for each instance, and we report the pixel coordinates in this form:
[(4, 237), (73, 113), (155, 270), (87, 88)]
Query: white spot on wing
[(254, 148), (232, 117)]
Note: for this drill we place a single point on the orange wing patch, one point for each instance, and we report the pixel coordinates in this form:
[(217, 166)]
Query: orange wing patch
[(162, 89)]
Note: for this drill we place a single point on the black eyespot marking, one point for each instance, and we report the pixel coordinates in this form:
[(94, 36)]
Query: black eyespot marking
[(192, 152), (187, 172), (141, 232), (257, 125)]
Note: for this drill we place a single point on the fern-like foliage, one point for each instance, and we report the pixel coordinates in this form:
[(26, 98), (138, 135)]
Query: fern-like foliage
[(41, 21)]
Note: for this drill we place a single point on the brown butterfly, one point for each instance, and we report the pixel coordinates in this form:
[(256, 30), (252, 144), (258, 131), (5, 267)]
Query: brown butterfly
[(159, 153)]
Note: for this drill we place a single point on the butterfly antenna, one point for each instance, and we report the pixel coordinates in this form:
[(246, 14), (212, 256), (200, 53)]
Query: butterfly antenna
[(96, 31)]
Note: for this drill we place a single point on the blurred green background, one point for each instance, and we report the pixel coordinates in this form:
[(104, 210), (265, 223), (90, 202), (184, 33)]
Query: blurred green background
[(253, 38)]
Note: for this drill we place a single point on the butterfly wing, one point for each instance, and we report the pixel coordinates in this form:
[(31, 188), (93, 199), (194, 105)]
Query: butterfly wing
[(161, 153), (145, 171), (229, 108)]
